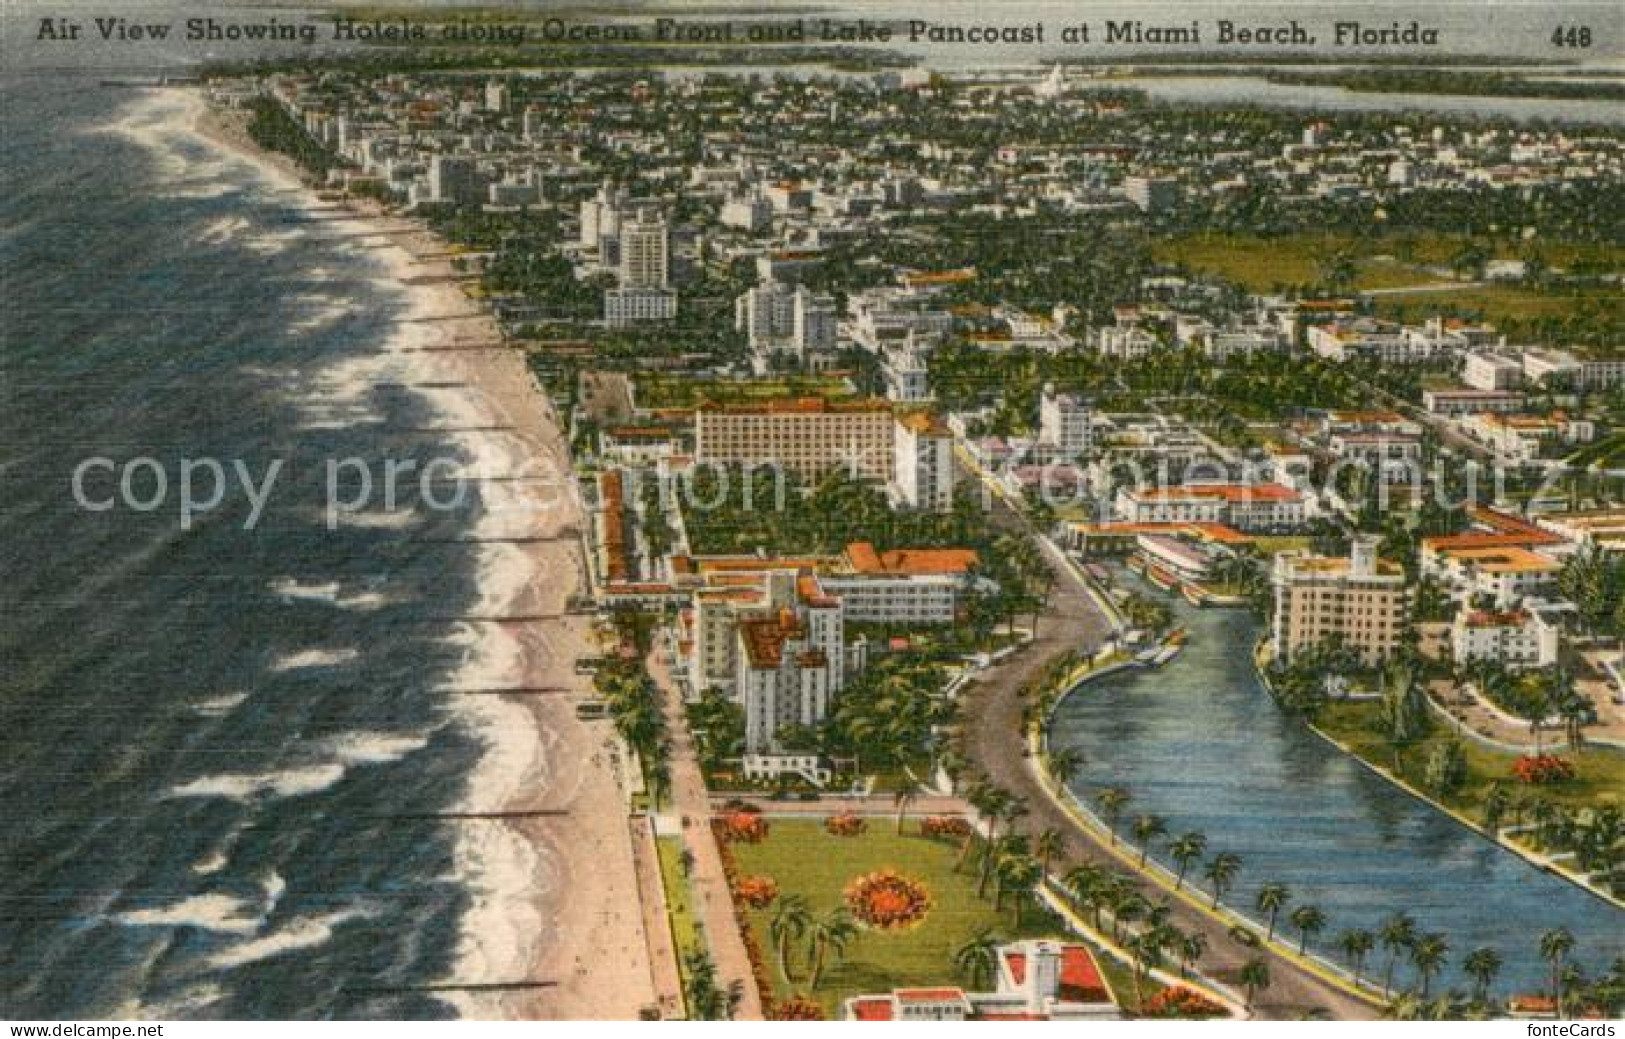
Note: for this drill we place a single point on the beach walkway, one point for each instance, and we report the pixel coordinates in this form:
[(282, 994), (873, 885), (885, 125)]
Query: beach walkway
[(691, 804)]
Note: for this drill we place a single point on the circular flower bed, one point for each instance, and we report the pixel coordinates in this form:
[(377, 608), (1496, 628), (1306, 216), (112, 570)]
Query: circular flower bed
[(887, 900), (757, 892), (744, 826), (945, 826), (845, 825), (796, 1008), (1542, 769)]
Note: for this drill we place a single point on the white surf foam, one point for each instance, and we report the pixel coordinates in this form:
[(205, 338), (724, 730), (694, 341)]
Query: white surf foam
[(315, 658)]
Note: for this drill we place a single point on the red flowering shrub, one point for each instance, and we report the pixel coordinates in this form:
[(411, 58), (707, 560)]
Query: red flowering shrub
[(1539, 770), (757, 892), (845, 825), (1179, 1001), (796, 1008), (749, 827), (887, 900), (945, 826)]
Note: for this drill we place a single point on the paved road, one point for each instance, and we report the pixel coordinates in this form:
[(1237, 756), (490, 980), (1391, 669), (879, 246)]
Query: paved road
[(995, 740), (690, 812)]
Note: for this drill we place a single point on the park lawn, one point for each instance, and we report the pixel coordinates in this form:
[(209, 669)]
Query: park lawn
[(685, 923), (804, 859), (1599, 771), (1502, 303), (1259, 263)]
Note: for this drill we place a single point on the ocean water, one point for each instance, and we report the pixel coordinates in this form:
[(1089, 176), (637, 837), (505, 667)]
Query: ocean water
[(221, 751), (1200, 742)]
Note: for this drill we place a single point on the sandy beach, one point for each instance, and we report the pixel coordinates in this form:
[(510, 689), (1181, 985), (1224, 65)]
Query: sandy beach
[(557, 916)]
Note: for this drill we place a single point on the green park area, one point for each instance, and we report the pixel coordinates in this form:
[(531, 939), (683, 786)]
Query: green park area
[(1443, 270), (1573, 804), (803, 859)]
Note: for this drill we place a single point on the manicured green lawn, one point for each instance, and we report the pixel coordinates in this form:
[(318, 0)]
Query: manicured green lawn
[(1599, 771), (685, 924), (806, 860)]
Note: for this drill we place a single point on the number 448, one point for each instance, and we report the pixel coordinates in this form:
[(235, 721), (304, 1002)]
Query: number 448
[(1573, 36)]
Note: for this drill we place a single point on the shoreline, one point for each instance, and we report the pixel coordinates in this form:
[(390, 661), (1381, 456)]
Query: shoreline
[(555, 896)]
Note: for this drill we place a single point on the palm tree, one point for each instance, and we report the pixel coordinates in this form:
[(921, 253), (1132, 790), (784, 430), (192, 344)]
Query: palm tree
[(1356, 944), (1065, 764), (1221, 873), (1186, 849), (1087, 885), (1272, 898), (1255, 978), (789, 923), (1019, 874), (1482, 965), (1308, 920), (1397, 934), (1011, 809), (984, 798), (978, 958), (1146, 950), (1497, 801), (1191, 947), (1428, 956), (908, 790), (1148, 827), (1555, 946), (1049, 845), (1112, 801), (829, 933)]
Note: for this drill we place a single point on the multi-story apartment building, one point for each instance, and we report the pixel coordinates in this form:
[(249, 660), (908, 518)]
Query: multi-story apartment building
[(1065, 423), (903, 586), (1517, 639), (645, 253), (1361, 601), (810, 436), (924, 463), (790, 658)]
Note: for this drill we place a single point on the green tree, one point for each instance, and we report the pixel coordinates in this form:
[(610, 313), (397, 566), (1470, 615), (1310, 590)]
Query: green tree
[(1113, 801), (1429, 955), (978, 958), (1555, 946), (1309, 920), (1186, 849), (1482, 965), (1147, 828), (1255, 978), (791, 918), (1356, 944), (1272, 898), (830, 933), (1397, 934), (1221, 873)]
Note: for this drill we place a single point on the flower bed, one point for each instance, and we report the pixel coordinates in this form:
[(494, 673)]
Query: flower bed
[(753, 950), (749, 827), (757, 892), (845, 825), (1179, 1001), (951, 826), (887, 900), (797, 1008), (1543, 769)]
